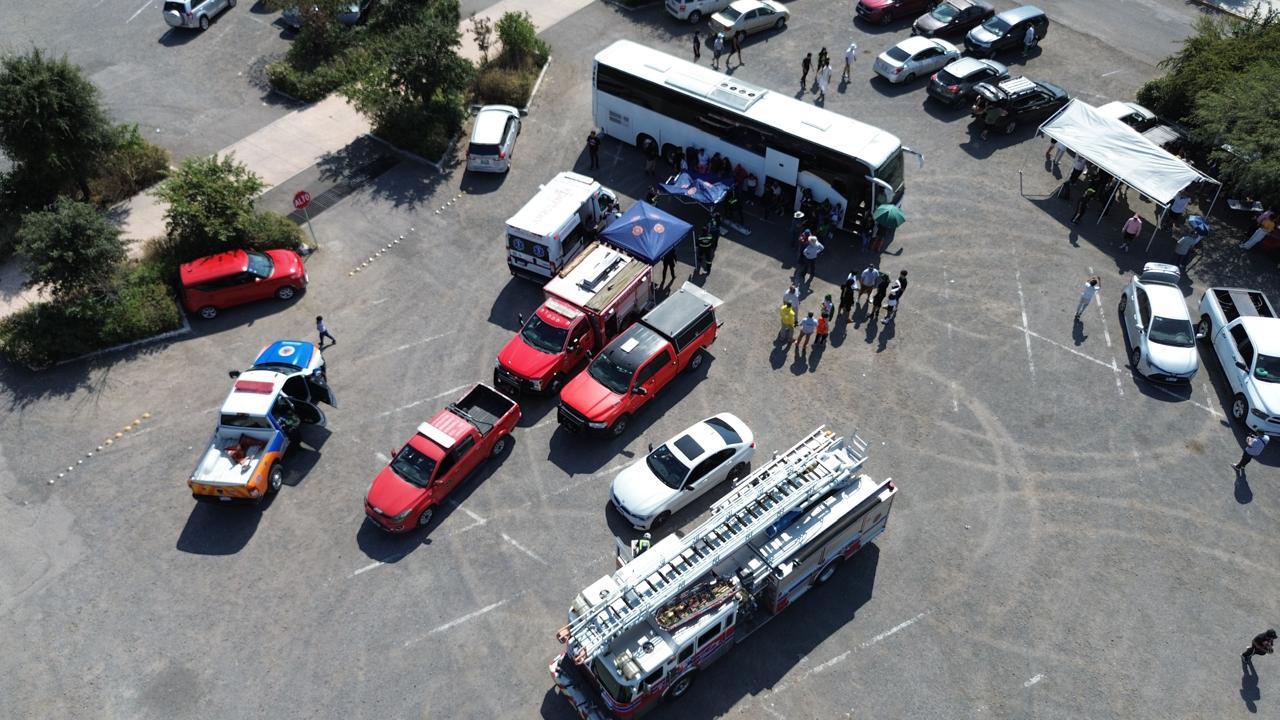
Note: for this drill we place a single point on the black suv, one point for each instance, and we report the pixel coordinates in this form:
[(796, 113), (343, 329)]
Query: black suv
[(1021, 100)]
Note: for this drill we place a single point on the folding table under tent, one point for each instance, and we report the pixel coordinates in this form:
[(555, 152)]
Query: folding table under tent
[(1124, 153)]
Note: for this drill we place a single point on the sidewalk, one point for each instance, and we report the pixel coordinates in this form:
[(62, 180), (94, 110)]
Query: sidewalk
[(545, 13), (276, 153)]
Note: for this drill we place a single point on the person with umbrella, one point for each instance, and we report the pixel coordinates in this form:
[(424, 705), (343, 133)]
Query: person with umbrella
[(1187, 243), (887, 218)]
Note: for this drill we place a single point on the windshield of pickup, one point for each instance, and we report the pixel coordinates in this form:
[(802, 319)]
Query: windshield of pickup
[(667, 467), (542, 336), (1168, 331), (610, 374), (1267, 369), (413, 466)]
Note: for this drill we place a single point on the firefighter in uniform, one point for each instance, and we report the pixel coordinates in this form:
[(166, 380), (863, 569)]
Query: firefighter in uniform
[(707, 243), (644, 543)]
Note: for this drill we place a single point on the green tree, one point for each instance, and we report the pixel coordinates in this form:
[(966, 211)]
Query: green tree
[(522, 49), (71, 248), (1235, 114), (210, 202), (51, 125)]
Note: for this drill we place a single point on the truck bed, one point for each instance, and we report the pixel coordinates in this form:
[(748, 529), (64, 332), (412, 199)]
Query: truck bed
[(217, 466), (1238, 302), (484, 407)]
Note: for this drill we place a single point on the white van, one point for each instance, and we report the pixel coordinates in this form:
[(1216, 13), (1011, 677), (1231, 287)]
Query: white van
[(545, 234), (493, 139)]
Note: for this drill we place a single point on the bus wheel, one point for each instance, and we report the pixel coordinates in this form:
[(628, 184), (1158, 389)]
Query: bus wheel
[(826, 572), (679, 687)]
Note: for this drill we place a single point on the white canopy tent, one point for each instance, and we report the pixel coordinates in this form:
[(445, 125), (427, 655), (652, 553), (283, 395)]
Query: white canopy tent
[(1124, 153)]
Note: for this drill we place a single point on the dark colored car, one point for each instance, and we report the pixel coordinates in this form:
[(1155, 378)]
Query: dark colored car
[(953, 17), (884, 11), (1022, 100), (954, 83), (1006, 31)]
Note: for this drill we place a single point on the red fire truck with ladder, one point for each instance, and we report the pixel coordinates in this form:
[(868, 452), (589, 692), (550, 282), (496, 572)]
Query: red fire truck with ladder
[(641, 634)]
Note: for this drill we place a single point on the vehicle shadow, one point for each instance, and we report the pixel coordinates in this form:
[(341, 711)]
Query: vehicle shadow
[(177, 37), (685, 517), (893, 90), (944, 113), (581, 454), (895, 26), (305, 453), (765, 658), (518, 296), (221, 529)]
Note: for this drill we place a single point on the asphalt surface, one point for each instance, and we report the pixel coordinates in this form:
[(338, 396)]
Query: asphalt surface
[(1068, 541)]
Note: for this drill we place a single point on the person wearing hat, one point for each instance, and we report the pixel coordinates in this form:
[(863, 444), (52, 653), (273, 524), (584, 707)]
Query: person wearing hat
[(644, 543)]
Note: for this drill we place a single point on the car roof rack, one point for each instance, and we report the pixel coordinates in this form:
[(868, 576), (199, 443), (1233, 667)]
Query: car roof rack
[(1017, 86)]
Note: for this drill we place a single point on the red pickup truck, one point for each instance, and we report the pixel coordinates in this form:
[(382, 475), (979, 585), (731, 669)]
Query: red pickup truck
[(438, 457), (631, 370), (592, 299)]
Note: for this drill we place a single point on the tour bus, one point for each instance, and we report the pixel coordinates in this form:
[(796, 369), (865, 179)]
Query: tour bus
[(641, 94)]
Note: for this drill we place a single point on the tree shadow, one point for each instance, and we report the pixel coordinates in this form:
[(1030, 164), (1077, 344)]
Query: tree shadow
[(220, 528), (408, 185)]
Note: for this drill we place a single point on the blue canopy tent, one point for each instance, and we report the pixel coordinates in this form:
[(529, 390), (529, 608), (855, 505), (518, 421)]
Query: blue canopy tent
[(701, 189), (646, 232)]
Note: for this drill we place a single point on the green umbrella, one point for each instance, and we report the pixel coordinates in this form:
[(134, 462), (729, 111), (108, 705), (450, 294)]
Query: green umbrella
[(888, 215)]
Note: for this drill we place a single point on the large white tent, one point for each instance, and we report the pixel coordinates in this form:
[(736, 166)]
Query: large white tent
[(1124, 153)]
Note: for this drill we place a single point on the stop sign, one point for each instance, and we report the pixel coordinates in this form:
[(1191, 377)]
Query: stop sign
[(301, 199)]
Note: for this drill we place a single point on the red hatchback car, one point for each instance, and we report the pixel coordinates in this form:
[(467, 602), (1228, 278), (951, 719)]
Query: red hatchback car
[(236, 277)]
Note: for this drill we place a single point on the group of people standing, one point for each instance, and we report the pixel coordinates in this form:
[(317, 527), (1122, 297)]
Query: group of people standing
[(871, 287), (718, 46), (822, 78)]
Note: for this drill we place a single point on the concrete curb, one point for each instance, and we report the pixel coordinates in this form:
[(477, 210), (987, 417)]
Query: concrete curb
[(536, 85), (632, 8), (184, 330)]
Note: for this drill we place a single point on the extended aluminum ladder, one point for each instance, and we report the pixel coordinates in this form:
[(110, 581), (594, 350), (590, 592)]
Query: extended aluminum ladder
[(786, 482)]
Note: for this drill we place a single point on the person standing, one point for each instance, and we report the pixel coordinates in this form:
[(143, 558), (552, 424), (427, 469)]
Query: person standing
[(1132, 228), (697, 46), (805, 65), (1263, 644), (1076, 168), (847, 293), (1053, 144), (669, 265), (869, 281), (788, 315), (808, 326), (828, 308), (735, 47), (1083, 204), (1091, 288), (1186, 244), (1178, 207), (882, 287), (810, 253), (1253, 447), (891, 302), (1028, 40), (707, 243), (850, 55), (593, 149), (1266, 223), (717, 48), (792, 296), (824, 79), (824, 329), (823, 59), (323, 331)]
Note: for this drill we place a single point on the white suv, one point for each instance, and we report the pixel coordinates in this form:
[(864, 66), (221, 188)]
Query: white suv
[(694, 10), (194, 13)]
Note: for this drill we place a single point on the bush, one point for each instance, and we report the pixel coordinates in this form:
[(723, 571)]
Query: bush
[(268, 231), (521, 46), (425, 132), (504, 86), (311, 83), (71, 248), (132, 165), (137, 305), (210, 203)]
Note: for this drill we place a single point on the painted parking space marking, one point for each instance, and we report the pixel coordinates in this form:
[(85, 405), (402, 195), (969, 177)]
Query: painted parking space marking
[(407, 345), (523, 549), (138, 12), (1034, 679), (1026, 329), (416, 403)]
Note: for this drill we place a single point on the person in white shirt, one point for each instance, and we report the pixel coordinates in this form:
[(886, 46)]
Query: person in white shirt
[(792, 295), (1090, 290), (850, 56), (868, 280), (824, 79), (810, 253), (1178, 207), (1028, 40), (1253, 447)]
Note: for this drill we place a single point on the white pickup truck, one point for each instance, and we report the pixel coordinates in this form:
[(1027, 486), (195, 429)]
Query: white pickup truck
[(1245, 333), (695, 10)]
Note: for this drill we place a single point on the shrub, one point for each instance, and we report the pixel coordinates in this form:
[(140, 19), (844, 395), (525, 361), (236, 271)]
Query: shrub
[(210, 201), (521, 46), (311, 84), (71, 248), (132, 165), (268, 231), (425, 132), (504, 86)]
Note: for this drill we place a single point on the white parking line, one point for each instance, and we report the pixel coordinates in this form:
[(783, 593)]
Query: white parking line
[(138, 12), (406, 346), (465, 618), (1106, 334), (367, 568), (896, 628), (1033, 680), (416, 403), (523, 549), (1026, 329), (823, 667)]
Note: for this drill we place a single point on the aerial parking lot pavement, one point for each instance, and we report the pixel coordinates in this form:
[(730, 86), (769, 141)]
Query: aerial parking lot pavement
[(1066, 538)]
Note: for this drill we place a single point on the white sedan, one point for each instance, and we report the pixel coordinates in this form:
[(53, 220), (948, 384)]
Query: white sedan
[(915, 57), (1158, 325), (668, 478)]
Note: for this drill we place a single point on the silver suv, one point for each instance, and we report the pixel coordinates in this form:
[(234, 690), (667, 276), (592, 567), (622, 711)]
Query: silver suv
[(194, 13)]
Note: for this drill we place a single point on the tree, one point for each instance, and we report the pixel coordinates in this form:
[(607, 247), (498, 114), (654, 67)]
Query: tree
[(210, 202), (521, 47), (1247, 131), (71, 248), (51, 125)]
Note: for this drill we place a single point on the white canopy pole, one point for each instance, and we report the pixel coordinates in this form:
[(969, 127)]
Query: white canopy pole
[(1156, 229), (1211, 204), (1114, 190)]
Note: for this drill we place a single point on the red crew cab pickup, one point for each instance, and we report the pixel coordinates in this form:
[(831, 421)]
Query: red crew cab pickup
[(438, 457), (588, 303), (631, 370)]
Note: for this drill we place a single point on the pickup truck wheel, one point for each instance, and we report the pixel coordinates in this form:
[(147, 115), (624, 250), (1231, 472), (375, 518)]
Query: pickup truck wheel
[(499, 446), (1008, 129), (275, 479), (826, 572), (886, 17), (679, 687), (619, 426), (1203, 328), (426, 516), (557, 382), (695, 17), (1239, 409), (696, 361)]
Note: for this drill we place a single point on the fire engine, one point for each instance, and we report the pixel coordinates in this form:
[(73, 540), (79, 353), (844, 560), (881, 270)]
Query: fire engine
[(640, 635)]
